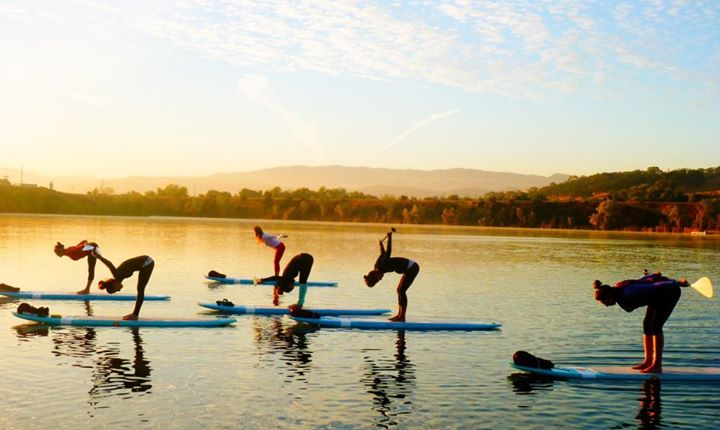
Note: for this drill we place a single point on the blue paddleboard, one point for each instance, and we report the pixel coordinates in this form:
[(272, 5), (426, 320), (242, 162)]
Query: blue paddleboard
[(66, 296), (97, 321), (250, 282), (626, 373), (389, 325), (239, 309)]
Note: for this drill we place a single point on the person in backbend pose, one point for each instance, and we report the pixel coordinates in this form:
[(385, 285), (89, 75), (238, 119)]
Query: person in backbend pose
[(273, 242), (143, 264), (300, 265), (659, 294), (385, 264), (82, 250)]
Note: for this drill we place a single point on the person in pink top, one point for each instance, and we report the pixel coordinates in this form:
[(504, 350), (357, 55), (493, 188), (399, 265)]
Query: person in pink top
[(273, 242), (84, 249)]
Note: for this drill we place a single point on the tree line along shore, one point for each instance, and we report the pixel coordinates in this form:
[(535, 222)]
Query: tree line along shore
[(679, 201)]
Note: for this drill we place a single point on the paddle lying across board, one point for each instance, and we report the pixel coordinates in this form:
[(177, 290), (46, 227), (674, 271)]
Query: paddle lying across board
[(244, 281), (65, 296), (626, 373), (240, 309), (97, 321), (389, 325)]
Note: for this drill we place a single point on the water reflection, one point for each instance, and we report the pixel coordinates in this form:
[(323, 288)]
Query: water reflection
[(120, 376), (390, 381), (650, 405), (272, 337), (527, 384), (111, 374)]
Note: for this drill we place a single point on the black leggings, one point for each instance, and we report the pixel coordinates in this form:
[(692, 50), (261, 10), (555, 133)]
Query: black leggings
[(407, 279), (143, 279), (659, 312)]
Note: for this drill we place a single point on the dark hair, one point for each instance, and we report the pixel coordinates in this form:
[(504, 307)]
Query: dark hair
[(373, 277), (604, 293), (108, 285), (258, 231)]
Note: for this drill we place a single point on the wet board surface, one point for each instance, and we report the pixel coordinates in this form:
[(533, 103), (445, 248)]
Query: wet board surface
[(245, 281), (258, 310), (625, 373), (352, 323), (40, 295), (108, 321)]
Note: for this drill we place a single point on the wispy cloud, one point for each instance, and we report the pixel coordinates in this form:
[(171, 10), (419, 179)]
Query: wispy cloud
[(422, 123), (516, 48), (257, 88)]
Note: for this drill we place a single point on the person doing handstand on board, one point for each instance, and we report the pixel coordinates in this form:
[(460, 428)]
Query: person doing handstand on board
[(659, 294), (386, 264)]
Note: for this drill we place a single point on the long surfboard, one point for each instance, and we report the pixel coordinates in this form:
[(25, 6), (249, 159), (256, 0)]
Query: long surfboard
[(626, 373), (241, 309), (98, 321), (244, 281), (336, 322), (40, 295)]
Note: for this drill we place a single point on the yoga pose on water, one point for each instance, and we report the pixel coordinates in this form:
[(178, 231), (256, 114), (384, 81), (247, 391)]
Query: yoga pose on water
[(273, 242), (404, 266), (659, 294), (143, 264), (84, 249), (300, 265)]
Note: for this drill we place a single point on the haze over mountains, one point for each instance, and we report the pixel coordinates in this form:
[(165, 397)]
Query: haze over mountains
[(375, 181)]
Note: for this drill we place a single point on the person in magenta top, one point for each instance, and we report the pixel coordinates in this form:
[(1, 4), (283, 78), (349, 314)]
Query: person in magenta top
[(273, 242), (84, 249), (660, 295)]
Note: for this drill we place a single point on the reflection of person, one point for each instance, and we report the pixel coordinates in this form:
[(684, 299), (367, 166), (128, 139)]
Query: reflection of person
[(390, 381), (84, 249), (273, 242), (659, 294), (385, 264), (650, 411), (300, 265), (143, 264)]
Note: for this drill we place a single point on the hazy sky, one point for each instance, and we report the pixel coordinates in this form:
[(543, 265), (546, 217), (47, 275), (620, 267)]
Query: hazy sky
[(121, 88)]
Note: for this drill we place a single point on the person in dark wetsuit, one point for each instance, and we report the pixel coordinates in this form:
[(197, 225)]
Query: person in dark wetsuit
[(84, 249), (386, 264), (300, 265), (143, 264), (660, 294)]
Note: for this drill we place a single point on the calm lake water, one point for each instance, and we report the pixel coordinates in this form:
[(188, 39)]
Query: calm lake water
[(269, 372)]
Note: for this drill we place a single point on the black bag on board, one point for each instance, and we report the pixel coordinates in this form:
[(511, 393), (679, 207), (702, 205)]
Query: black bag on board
[(524, 358)]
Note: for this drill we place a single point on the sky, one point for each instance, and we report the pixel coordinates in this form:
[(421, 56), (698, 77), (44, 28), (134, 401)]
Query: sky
[(190, 88)]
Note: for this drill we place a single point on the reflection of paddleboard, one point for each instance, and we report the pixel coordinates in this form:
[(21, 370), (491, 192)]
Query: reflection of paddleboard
[(65, 296), (240, 309), (626, 373), (95, 321), (250, 282), (389, 325)]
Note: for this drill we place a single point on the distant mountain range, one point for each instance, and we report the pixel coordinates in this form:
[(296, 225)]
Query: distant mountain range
[(375, 181)]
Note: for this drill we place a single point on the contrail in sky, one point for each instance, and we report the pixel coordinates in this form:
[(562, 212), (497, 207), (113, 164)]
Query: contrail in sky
[(409, 131)]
